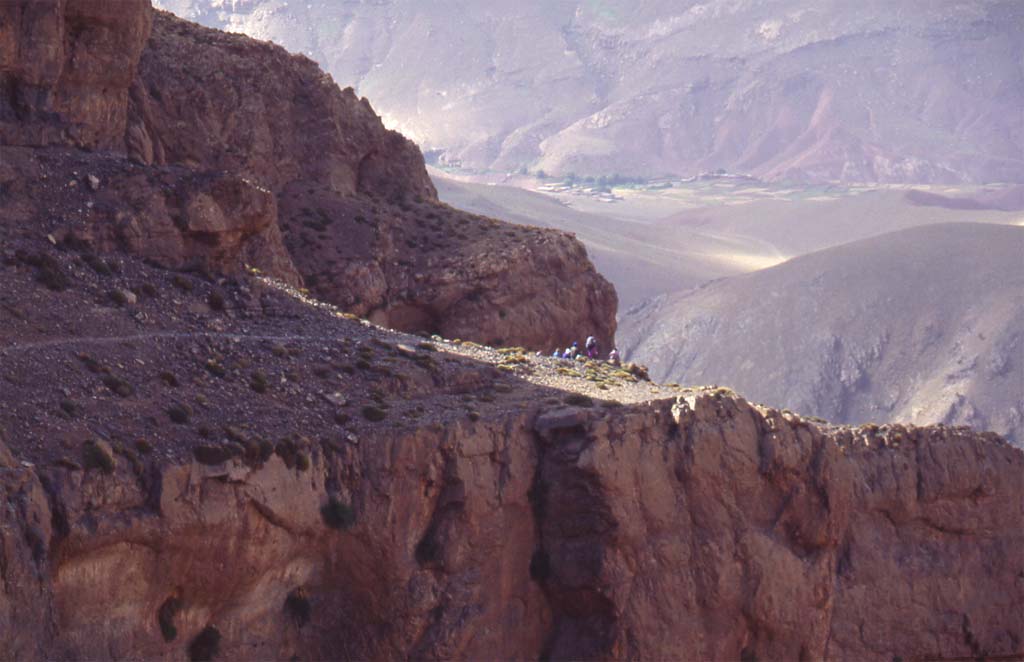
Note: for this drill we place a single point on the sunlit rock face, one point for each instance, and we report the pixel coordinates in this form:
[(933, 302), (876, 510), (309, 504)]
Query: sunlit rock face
[(868, 91)]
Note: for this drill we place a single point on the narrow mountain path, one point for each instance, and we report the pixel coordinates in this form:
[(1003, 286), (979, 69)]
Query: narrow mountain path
[(113, 340)]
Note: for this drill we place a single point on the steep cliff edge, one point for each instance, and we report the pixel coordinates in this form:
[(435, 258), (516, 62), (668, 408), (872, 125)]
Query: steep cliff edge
[(207, 464), (355, 216), (224, 469)]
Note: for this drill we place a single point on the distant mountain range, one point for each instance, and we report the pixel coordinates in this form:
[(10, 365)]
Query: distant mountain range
[(920, 325), (875, 90)]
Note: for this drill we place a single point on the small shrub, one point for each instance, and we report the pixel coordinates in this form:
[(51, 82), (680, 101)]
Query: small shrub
[(302, 462), (97, 264), (288, 450), (578, 400), (213, 455), (143, 446), (337, 514), (132, 458), (118, 386), (179, 413), (205, 646), (216, 301), (182, 283), (374, 414), (68, 407), (169, 378), (258, 383), (91, 364), (50, 274), (215, 368), (118, 297), (99, 455)]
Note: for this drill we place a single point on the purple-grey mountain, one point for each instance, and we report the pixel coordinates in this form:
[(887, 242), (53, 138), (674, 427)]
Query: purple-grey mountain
[(906, 91)]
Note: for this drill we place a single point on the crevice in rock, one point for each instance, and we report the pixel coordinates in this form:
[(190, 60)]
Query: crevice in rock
[(573, 526), (166, 616)]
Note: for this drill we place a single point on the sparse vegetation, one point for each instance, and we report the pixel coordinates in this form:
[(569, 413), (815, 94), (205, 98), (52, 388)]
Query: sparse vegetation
[(49, 272), (99, 455), (118, 386), (179, 413), (91, 364), (578, 400), (215, 368), (182, 283), (216, 302), (374, 414), (213, 455), (258, 382), (118, 297)]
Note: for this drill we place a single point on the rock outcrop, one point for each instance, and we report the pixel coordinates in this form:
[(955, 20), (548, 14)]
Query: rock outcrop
[(198, 468), (707, 529), (65, 70), (354, 214)]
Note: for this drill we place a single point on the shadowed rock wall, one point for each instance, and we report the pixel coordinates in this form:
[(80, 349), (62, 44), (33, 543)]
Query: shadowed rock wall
[(699, 529)]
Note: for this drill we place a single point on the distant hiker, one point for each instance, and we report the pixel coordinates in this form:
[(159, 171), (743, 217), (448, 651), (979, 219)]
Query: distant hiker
[(575, 350), (568, 353), (591, 347), (613, 357), (557, 354)]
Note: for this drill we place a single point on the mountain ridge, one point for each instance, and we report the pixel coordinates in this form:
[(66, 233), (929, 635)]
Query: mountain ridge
[(764, 89), (917, 325)]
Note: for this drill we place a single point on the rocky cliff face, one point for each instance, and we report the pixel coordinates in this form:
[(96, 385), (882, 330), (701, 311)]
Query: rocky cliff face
[(65, 70), (697, 528), (320, 192), (207, 464)]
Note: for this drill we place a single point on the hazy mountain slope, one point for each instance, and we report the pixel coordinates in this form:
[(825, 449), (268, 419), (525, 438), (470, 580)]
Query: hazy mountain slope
[(738, 231), (641, 260), (920, 325), (796, 227), (918, 90)]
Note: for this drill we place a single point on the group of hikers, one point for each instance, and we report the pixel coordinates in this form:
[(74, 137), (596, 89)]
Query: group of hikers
[(590, 350)]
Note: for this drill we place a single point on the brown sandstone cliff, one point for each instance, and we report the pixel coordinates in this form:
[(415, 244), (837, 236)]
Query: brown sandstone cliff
[(708, 530), (354, 215), (217, 468)]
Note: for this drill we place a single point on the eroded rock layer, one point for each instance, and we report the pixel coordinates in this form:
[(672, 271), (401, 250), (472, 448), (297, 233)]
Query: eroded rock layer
[(699, 529)]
